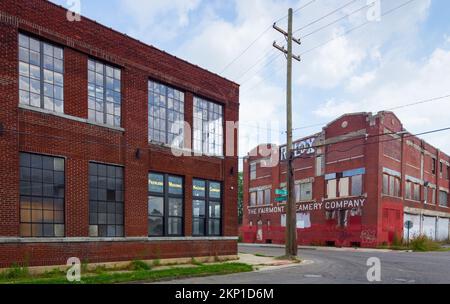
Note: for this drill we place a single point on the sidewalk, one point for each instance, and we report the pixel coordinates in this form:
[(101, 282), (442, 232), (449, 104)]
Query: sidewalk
[(347, 249), (262, 263)]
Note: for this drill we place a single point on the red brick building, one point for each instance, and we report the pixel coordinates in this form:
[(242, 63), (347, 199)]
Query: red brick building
[(357, 182), (87, 121)]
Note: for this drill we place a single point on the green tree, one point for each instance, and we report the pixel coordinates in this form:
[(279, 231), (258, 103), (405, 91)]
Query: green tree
[(240, 196)]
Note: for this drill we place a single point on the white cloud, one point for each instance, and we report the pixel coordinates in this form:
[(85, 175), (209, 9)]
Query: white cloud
[(411, 82), (372, 68), (160, 19), (332, 64), (359, 82), (333, 108)]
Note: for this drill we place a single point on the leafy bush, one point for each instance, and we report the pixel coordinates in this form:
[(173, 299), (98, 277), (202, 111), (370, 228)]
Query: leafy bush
[(423, 243)]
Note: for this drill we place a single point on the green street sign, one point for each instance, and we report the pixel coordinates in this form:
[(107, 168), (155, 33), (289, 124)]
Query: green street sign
[(281, 192), (281, 199)]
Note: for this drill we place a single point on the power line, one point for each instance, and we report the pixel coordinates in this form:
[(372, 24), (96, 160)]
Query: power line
[(273, 58), (266, 55), (388, 109), (260, 36), (325, 16), (305, 26), (339, 19), (327, 42), (356, 28)]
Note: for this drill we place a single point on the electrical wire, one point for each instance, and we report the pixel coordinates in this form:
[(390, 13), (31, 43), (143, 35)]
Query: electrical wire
[(356, 28), (260, 36), (325, 16)]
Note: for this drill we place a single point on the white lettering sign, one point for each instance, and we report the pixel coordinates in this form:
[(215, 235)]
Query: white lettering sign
[(299, 148), (350, 203)]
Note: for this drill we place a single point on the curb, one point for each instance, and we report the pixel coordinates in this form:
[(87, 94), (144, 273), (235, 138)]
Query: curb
[(341, 249)]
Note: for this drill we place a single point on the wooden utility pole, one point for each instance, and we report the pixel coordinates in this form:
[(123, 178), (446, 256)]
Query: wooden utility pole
[(291, 214)]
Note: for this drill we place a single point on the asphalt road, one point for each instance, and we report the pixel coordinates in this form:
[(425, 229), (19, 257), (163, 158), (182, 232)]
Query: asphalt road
[(341, 267)]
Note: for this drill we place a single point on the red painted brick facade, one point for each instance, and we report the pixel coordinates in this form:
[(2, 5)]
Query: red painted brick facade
[(80, 142), (351, 142)]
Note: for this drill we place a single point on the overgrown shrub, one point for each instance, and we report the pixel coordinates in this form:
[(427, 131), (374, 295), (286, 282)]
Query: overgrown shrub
[(423, 243)]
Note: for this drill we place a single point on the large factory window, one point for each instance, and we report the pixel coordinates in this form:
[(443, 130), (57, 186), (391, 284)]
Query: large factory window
[(208, 127), (106, 201), (104, 90), (165, 115), (41, 74), (41, 196)]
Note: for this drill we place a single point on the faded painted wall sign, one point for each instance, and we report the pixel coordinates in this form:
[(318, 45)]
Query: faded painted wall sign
[(345, 204), (313, 206), (300, 148)]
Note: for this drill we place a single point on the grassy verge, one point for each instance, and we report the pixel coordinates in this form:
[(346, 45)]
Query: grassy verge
[(418, 244), (147, 275)]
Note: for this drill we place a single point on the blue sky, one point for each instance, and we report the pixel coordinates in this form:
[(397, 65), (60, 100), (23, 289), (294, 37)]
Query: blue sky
[(403, 58)]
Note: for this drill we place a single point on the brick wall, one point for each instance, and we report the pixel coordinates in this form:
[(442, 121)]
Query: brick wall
[(79, 142), (350, 142)]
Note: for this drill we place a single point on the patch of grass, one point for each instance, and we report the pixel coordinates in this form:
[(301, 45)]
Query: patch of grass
[(142, 275), (288, 258), (195, 262), (156, 263), (15, 272), (137, 265), (263, 255)]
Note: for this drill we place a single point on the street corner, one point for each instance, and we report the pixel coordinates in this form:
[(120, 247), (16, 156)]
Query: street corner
[(261, 262)]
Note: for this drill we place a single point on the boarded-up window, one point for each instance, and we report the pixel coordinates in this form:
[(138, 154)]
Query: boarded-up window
[(443, 198), (253, 199), (416, 192), (357, 185), (343, 187), (261, 197), (252, 171), (331, 188), (391, 186), (267, 193), (303, 192), (408, 190), (385, 184), (319, 166)]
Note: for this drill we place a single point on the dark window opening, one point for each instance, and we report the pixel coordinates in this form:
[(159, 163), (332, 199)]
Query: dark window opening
[(207, 208), (41, 196), (165, 205), (106, 201)]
